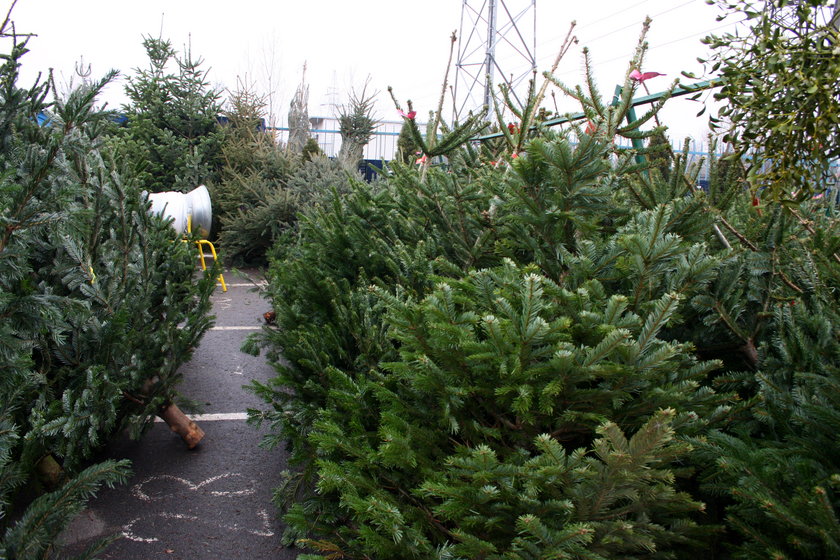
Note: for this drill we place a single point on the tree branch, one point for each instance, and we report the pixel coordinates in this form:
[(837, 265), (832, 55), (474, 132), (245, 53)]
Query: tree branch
[(738, 234)]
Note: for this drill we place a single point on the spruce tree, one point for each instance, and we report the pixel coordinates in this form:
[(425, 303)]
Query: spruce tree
[(299, 117), (252, 202)]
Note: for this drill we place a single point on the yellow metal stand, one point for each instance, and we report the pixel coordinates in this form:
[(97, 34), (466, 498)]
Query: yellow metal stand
[(201, 243)]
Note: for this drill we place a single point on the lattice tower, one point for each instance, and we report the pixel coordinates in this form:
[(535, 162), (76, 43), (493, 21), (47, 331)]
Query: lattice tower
[(496, 44)]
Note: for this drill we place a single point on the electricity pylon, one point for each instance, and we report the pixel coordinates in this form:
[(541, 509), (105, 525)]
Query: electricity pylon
[(497, 44)]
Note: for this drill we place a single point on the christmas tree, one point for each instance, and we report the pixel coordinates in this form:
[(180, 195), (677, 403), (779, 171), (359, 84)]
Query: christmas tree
[(172, 139), (98, 306)]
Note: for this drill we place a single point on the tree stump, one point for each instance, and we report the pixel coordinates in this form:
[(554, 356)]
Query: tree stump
[(179, 423)]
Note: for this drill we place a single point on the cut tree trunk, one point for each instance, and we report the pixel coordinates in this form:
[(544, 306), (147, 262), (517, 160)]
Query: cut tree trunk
[(49, 472), (179, 423), (750, 352)]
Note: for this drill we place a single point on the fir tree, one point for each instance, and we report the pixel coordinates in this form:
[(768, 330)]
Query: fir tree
[(98, 307), (407, 148), (773, 315), (172, 138), (299, 117), (559, 354), (418, 362), (356, 124)]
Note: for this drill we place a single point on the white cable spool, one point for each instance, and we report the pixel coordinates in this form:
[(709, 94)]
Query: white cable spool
[(178, 206)]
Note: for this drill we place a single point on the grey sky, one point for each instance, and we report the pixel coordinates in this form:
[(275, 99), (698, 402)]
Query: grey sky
[(395, 42)]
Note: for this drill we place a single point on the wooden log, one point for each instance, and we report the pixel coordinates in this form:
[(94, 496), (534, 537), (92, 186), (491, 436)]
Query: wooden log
[(179, 423), (50, 473)]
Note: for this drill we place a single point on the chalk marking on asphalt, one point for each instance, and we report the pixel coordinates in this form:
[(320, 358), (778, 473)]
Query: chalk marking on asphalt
[(238, 370), (224, 303), (214, 417), (137, 489), (263, 514), (264, 531), (132, 537), (237, 328)]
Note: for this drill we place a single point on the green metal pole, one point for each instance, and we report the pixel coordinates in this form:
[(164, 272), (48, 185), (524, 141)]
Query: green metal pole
[(631, 118)]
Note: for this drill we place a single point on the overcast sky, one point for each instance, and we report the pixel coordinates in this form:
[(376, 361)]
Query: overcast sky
[(396, 42)]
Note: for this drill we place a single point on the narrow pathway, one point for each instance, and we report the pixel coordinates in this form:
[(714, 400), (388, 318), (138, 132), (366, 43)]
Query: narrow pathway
[(213, 502)]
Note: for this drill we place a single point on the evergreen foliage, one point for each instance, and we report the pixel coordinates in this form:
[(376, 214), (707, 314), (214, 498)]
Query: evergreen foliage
[(311, 150), (563, 351), (314, 181), (98, 306), (439, 139), (661, 154), (252, 202), (774, 307), (407, 148), (571, 353), (784, 67), (251, 230), (172, 140), (457, 340), (356, 124), (263, 186), (33, 535), (262, 198), (299, 117)]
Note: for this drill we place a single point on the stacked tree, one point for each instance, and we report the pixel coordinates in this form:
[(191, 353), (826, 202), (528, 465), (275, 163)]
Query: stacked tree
[(564, 354), (98, 304)]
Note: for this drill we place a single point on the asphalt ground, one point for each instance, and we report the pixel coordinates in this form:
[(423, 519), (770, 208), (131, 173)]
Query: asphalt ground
[(212, 502)]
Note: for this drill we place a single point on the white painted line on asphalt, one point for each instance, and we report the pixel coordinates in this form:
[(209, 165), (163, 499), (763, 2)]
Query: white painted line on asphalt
[(247, 285), (215, 417), (240, 328)]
